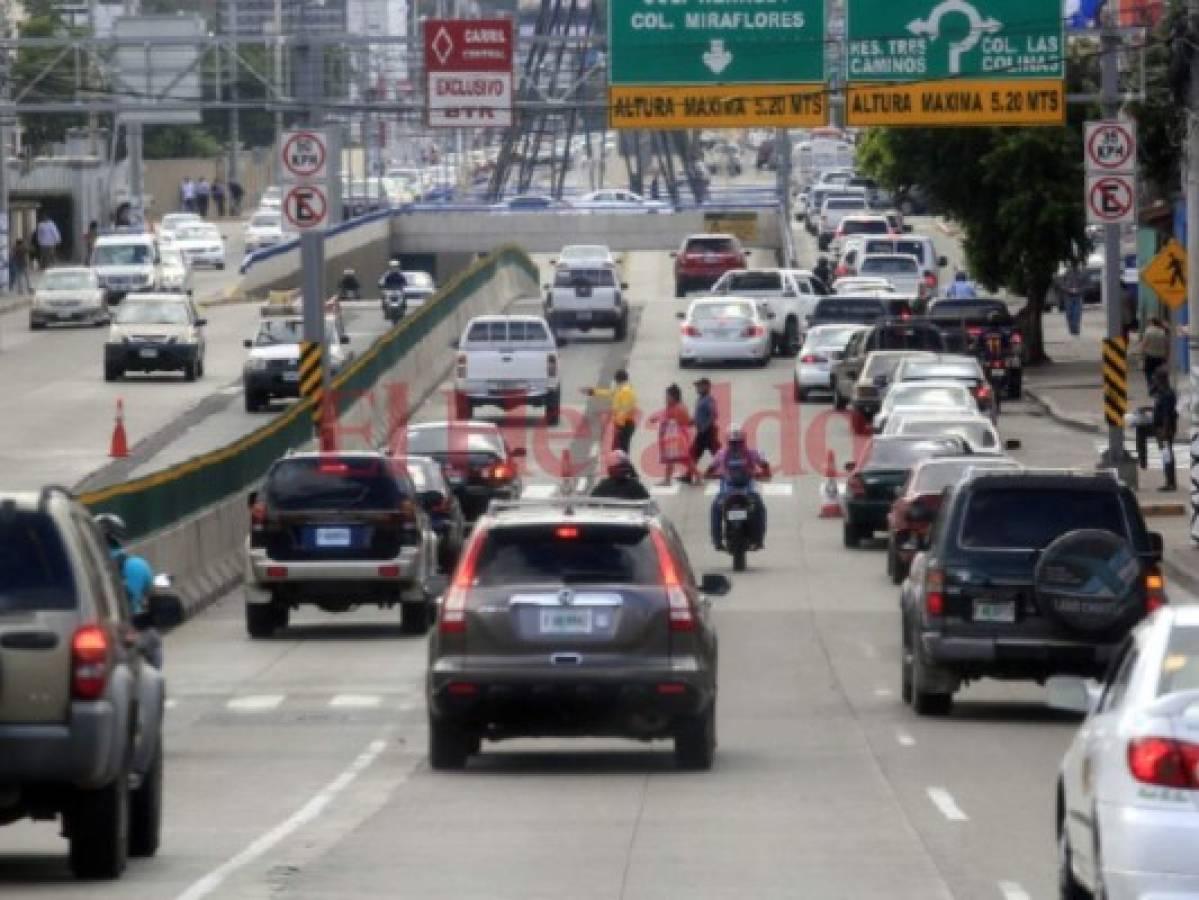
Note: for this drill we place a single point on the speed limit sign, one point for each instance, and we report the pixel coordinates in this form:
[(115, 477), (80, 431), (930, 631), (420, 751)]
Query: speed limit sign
[(304, 155)]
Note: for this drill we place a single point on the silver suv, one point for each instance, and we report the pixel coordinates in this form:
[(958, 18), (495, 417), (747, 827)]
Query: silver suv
[(337, 530), (574, 617), (80, 708)]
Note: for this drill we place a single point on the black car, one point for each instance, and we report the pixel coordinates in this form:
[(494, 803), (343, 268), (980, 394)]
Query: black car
[(477, 462), (964, 322), (844, 310), (442, 506), (1025, 576), (877, 476)]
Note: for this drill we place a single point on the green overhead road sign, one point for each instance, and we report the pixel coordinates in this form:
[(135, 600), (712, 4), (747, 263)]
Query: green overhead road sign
[(710, 42), (915, 40)]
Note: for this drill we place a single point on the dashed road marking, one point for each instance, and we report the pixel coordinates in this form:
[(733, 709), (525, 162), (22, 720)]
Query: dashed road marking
[(948, 807), (538, 491), (780, 489), (252, 703), (905, 739), (664, 490), (355, 701), (1013, 891), (883, 692), (230, 391)]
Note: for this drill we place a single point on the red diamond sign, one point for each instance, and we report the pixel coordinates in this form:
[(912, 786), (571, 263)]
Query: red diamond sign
[(468, 66)]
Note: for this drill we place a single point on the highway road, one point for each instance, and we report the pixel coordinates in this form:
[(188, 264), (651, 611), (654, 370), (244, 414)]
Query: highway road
[(296, 767)]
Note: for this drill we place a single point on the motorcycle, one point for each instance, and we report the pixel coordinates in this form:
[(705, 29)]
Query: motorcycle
[(736, 512), (163, 611), (395, 304)]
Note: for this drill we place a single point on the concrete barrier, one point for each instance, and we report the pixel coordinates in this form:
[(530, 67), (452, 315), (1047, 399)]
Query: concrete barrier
[(205, 551)]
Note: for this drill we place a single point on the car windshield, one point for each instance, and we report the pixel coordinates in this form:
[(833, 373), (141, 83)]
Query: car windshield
[(753, 281), (34, 571), (122, 255), (453, 439), (598, 277), (825, 338), (333, 484), (171, 222), (279, 331), (889, 453), (711, 245), (889, 265), (1180, 665), (980, 435), (935, 477), (567, 554), (150, 312), (928, 395), (198, 233), (707, 312), (1014, 518), (67, 281), (976, 311), (881, 364)]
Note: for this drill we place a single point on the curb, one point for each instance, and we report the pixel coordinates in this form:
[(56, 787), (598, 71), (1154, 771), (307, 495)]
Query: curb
[(14, 304), (1055, 412)]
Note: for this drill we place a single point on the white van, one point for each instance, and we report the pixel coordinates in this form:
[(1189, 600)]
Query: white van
[(920, 246), (126, 263)]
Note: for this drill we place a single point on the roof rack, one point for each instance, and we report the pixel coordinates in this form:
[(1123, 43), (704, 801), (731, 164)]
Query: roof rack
[(1049, 472), (569, 504)]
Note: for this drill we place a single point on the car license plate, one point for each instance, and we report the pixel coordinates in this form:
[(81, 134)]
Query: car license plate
[(997, 373), (149, 353), (333, 537), (507, 387), (1003, 611), (291, 376), (566, 621), (738, 515)]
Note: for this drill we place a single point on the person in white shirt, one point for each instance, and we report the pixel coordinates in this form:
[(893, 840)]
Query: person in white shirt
[(48, 239)]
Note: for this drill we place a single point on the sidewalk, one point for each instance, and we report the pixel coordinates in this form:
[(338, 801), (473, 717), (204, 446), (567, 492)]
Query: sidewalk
[(1070, 392)]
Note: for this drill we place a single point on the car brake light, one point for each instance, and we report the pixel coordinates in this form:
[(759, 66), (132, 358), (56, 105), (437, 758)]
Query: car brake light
[(453, 607), (682, 617), (1155, 589), (90, 654), (276, 571), (855, 486), (973, 331), (501, 471), (333, 468), (690, 331), (982, 391), (934, 592), (460, 366), (811, 358), (391, 570), (1164, 762), (752, 331), (551, 365), (566, 532)]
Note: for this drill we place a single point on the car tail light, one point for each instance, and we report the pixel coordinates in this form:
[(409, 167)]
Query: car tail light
[(332, 468), (91, 654), (682, 616), (855, 486), (753, 331), (982, 392), (453, 607), (551, 365), (276, 571), (1164, 762), (391, 570), (1017, 340), (566, 532), (930, 281), (671, 689), (690, 331), (258, 515), (841, 271), (1155, 589), (812, 358), (974, 331), (460, 366), (934, 592), (501, 471)]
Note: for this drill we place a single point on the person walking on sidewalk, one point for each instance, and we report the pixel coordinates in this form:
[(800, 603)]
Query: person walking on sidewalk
[(706, 424), (623, 401), (218, 197), (202, 194), (18, 269), (1165, 422), (48, 239), (674, 447), (1155, 347)]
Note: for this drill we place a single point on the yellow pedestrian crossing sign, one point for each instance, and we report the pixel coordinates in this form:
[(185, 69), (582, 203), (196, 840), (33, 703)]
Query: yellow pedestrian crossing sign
[(1167, 275)]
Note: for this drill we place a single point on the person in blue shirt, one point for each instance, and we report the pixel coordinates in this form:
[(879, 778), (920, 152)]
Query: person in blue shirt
[(962, 288), (138, 578)]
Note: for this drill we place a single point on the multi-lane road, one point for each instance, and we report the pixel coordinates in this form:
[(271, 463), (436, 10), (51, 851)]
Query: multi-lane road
[(296, 766)]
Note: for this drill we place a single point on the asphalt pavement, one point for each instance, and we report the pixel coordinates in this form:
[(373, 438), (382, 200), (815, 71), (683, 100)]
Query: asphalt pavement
[(296, 766)]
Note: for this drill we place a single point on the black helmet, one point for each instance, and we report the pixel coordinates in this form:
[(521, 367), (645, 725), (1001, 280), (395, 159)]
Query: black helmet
[(113, 528), (619, 464)]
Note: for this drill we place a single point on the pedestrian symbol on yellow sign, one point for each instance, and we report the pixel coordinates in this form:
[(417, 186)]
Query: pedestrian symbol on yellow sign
[(1167, 275)]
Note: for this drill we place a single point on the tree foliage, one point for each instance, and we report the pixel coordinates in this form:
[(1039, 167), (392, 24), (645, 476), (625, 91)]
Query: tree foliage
[(34, 68)]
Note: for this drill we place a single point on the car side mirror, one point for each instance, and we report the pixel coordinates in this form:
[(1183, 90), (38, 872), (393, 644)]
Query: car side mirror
[(1012, 444), (715, 584), (200, 323), (1157, 545), (247, 343), (1075, 695), (850, 466)]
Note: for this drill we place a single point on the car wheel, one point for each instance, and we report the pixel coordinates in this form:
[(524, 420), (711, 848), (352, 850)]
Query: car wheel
[(851, 535), (449, 745), (1015, 386), (97, 825), (260, 620), (415, 616), (36, 326), (254, 401), (113, 373), (924, 702), (200, 367), (695, 740), (553, 409), (1068, 887), (145, 809)]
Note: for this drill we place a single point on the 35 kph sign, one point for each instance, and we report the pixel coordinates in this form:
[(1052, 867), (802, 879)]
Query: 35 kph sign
[(304, 155), (1111, 147)]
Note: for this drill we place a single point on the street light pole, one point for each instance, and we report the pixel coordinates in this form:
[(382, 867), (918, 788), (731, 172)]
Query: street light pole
[(235, 96), (1191, 161)]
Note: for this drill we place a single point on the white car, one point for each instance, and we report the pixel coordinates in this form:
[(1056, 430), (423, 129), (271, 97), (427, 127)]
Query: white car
[(823, 345), (264, 229), (977, 430), (174, 273), (171, 223), (201, 245), (507, 361), (419, 288), (1128, 787), (929, 396), (580, 254), (856, 284), (900, 269), (728, 329), (272, 198), (617, 199), (68, 295), (788, 294)]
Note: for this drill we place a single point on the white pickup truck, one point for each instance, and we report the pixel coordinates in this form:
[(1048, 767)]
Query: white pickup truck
[(586, 294), (509, 362)]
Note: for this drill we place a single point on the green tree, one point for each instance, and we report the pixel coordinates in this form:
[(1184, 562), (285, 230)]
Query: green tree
[(34, 69)]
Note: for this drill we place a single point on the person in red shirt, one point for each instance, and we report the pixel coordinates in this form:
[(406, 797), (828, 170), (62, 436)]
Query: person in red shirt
[(674, 437)]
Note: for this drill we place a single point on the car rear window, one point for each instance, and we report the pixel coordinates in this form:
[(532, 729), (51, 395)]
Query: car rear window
[(850, 310), (711, 245), (908, 337), (911, 248), (333, 484), (1180, 665), (845, 203), (977, 311), (937, 372), (889, 265), (34, 572), (453, 439), (1013, 518), (503, 332), (915, 395), (864, 226), (597, 277), (980, 435), (755, 281), (933, 479), (567, 553), (709, 311), (830, 337), (902, 454)]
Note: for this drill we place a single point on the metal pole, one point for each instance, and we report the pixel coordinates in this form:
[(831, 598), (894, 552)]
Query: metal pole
[(6, 118), (782, 153), (278, 80), (1109, 88), (235, 96), (1191, 162)]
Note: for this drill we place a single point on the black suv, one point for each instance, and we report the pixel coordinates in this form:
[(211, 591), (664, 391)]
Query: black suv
[(574, 617), (1026, 575)]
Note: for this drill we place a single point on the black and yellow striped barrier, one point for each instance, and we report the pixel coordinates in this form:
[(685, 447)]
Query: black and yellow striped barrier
[(1115, 381), (311, 384)]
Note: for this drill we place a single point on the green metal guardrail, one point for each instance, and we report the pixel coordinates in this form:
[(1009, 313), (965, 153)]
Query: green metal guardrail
[(155, 501)]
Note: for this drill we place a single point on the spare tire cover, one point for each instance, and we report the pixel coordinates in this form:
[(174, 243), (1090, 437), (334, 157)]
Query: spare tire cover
[(1089, 580)]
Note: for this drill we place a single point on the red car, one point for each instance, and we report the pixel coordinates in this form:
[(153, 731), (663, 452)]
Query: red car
[(703, 258), (912, 514)]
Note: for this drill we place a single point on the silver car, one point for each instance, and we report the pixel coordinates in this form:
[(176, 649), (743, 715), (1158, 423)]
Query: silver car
[(68, 295), (822, 347)]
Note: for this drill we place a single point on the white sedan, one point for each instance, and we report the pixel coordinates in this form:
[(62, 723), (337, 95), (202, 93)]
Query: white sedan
[(728, 329), (68, 294), (928, 396), (975, 429), (264, 229), (1128, 787), (617, 199), (201, 245), (172, 222), (823, 345)]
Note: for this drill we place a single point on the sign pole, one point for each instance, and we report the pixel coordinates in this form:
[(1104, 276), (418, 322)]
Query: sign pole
[(1191, 161), (5, 120)]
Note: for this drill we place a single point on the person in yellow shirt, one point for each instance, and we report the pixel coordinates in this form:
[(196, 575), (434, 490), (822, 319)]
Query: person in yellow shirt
[(623, 408)]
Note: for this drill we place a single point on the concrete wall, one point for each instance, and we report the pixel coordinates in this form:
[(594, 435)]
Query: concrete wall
[(205, 552), (164, 176)]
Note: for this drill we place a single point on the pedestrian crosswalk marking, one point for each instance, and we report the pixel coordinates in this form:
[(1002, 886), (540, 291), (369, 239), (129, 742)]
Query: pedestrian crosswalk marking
[(355, 701), (255, 703), (664, 490), (780, 489), (539, 491), (1182, 453)]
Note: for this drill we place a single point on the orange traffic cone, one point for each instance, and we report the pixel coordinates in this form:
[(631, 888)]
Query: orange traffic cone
[(119, 448), (830, 501)]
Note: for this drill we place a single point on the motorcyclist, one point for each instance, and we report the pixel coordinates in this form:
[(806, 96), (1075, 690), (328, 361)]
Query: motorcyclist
[(138, 578), (393, 279), (962, 288), (823, 272), (737, 466), (349, 286), (992, 353), (621, 481)]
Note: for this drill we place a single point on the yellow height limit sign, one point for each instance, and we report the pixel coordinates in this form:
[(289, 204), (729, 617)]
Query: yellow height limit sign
[(1166, 274)]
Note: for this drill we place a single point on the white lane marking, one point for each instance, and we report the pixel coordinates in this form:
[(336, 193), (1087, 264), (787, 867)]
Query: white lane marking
[(943, 801), (355, 701), (268, 841), (171, 703), (1011, 890), (883, 692), (407, 705), (905, 739), (711, 490), (782, 489), (255, 703), (581, 484), (539, 491), (231, 390), (664, 490)]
